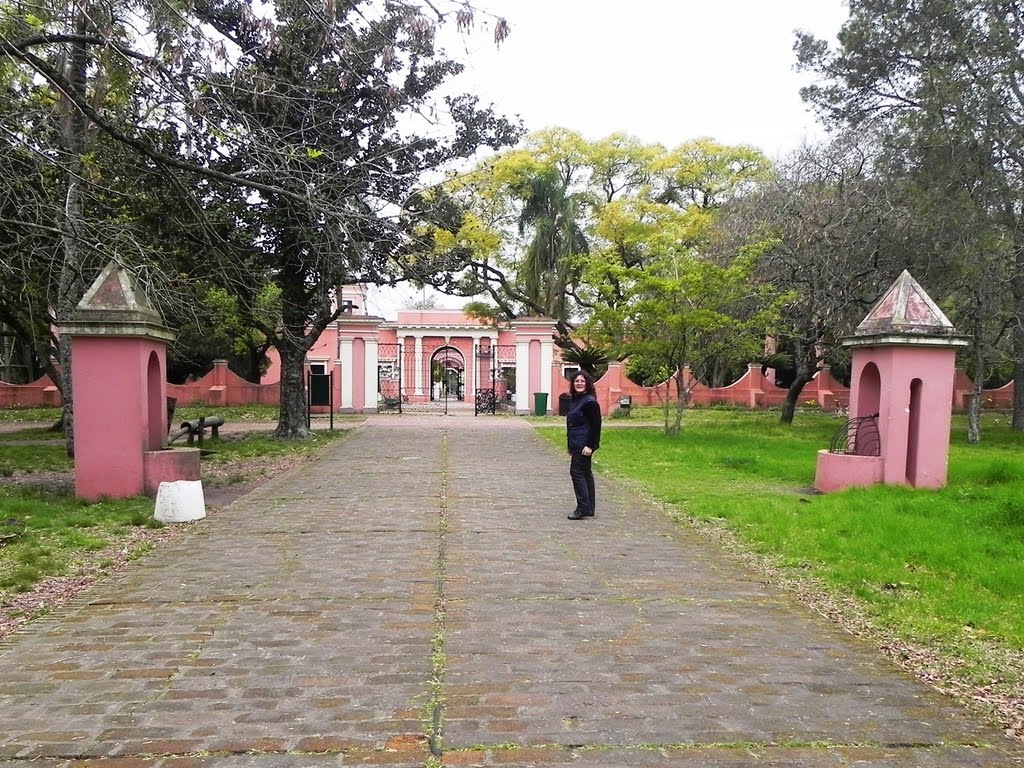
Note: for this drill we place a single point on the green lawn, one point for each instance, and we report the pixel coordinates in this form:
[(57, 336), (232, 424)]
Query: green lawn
[(944, 569)]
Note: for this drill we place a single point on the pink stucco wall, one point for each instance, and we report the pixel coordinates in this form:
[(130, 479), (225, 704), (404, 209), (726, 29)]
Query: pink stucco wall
[(222, 386), (836, 471), (40, 393), (915, 392), (114, 417), (752, 390)]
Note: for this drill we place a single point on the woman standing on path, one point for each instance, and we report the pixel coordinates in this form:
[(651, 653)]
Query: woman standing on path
[(583, 436)]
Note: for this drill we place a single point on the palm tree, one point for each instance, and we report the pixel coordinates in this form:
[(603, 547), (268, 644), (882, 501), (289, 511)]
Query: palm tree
[(548, 268)]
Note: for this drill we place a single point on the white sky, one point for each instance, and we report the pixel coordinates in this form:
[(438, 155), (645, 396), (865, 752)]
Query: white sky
[(664, 71)]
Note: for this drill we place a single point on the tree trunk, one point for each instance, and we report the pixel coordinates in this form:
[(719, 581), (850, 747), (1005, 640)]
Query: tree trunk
[(974, 415), (675, 427), (792, 398), (1018, 375), (977, 386), (718, 375), (805, 370), (71, 286), (253, 364), (1017, 421), (291, 424)]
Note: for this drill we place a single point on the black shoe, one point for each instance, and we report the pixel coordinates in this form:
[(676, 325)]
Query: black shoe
[(578, 516)]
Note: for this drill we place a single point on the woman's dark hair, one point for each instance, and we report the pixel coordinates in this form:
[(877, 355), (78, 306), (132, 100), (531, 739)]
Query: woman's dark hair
[(587, 378)]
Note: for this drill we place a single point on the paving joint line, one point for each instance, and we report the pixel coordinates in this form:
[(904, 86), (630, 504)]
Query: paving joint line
[(509, 747), (437, 657), (105, 602)]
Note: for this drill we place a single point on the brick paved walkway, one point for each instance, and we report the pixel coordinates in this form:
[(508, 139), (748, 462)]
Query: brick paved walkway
[(420, 591)]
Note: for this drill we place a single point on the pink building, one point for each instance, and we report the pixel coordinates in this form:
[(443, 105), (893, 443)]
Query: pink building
[(429, 359)]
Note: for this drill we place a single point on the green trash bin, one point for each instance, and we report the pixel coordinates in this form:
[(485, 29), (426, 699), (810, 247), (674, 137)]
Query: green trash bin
[(540, 403)]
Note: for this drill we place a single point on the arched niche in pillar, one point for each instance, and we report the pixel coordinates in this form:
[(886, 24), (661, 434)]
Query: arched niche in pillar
[(156, 404)]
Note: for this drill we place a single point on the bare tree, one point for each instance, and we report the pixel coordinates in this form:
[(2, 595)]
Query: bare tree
[(838, 241)]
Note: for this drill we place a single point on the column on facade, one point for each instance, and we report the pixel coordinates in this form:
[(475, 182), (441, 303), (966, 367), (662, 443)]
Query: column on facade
[(527, 331), (495, 367), (547, 357), (522, 376), (359, 362), (401, 362), (371, 389), (347, 364), (418, 363)]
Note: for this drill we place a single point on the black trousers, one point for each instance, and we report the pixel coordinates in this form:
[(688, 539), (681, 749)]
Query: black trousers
[(581, 471)]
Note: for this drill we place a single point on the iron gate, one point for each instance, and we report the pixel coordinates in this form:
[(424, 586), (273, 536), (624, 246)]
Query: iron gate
[(495, 378), (429, 381), (389, 378)]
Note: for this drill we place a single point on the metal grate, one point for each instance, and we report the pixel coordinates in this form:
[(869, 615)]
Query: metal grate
[(859, 436), (495, 375)]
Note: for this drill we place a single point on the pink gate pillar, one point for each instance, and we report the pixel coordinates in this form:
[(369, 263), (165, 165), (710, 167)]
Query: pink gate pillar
[(358, 360), (537, 370), (119, 379), (904, 356)]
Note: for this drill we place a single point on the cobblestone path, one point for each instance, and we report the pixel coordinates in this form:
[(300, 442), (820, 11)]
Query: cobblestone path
[(417, 598)]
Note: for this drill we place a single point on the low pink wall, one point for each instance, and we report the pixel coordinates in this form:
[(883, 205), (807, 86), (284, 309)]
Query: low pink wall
[(41, 393), (222, 387), (752, 390), (1000, 398), (836, 471)]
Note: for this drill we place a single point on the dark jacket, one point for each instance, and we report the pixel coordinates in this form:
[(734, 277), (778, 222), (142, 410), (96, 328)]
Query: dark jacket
[(583, 423)]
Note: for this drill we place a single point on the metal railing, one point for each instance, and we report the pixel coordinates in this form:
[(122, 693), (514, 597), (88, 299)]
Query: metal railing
[(859, 436)]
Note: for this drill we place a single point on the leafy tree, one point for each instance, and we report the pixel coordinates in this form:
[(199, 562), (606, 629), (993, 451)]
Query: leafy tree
[(677, 312), (953, 194), (646, 372), (548, 269), (593, 360), (939, 76), (560, 205), (312, 115), (28, 240), (223, 328)]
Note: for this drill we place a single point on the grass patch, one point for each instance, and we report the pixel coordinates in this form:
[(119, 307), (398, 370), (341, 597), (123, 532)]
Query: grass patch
[(253, 445), (58, 530), (34, 458), (30, 414), (940, 568), (32, 433), (231, 414)]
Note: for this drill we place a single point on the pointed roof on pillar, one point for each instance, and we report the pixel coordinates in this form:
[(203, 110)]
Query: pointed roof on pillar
[(115, 305), (903, 314)]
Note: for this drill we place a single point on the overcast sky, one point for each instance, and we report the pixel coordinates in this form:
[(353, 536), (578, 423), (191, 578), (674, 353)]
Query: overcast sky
[(664, 71)]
